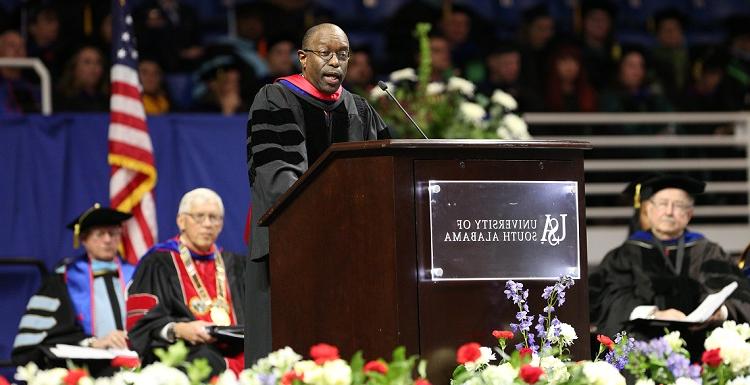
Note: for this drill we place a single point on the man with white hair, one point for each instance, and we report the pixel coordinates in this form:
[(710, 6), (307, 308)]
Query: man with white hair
[(186, 284)]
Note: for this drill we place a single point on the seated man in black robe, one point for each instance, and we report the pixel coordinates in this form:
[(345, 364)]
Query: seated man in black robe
[(292, 122), (187, 283), (83, 302), (665, 272)]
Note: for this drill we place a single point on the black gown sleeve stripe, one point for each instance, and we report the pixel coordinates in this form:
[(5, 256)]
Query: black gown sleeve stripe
[(281, 138), (272, 154), (272, 117)]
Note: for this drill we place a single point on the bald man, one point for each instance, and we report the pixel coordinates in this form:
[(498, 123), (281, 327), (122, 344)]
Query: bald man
[(292, 122)]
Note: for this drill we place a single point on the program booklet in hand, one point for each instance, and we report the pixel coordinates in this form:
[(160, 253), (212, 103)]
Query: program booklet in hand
[(701, 314)]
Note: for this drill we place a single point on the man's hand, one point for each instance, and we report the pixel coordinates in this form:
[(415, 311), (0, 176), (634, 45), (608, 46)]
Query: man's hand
[(669, 314), (193, 332), (116, 340)]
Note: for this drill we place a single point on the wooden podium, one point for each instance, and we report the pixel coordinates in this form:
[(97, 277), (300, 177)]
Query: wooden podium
[(351, 250)]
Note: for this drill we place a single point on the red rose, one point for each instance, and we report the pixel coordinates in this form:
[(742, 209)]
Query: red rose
[(4, 381), (525, 352), (321, 353), (606, 341), (502, 334), (422, 381), (73, 376), (289, 377), (468, 353), (213, 380), (712, 357), (125, 362), (376, 366), (530, 374)]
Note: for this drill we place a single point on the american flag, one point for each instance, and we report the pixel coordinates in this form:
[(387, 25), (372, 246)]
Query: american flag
[(133, 174)]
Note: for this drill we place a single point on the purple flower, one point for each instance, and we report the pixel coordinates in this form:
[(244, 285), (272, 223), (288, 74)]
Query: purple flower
[(679, 365), (619, 356)]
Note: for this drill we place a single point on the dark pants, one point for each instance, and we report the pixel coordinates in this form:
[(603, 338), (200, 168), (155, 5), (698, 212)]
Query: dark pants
[(257, 310)]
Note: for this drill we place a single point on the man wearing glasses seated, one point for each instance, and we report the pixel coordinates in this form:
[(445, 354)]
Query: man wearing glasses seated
[(83, 302), (292, 122), (664, 273), (187, 283)]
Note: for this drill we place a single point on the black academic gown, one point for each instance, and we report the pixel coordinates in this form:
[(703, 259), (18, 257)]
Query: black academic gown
[(287, 132), (637, 273), (51, 317), (156, 277)]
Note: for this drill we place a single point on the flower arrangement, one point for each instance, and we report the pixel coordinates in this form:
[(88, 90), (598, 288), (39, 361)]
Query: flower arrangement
[(282, 367), (449, 108), (664, 360), (542, 355)]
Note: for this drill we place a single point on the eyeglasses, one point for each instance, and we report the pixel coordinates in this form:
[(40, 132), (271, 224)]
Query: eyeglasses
[(200, 217), (101, 232), (681, 207), (328, 55)]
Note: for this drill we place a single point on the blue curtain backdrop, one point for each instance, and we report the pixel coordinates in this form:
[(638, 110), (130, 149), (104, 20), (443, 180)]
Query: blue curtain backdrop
[(55, 167)]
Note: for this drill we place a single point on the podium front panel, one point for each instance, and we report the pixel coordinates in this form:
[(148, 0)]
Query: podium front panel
[(454, 312)]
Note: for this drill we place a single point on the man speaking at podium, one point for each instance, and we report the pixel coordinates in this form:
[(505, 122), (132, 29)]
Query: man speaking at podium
[(292, 122)]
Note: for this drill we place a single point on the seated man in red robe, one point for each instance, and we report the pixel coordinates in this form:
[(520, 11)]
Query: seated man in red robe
[(187, 283)]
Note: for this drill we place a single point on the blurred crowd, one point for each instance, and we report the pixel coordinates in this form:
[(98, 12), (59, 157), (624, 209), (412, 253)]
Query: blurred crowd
[(548, 62)]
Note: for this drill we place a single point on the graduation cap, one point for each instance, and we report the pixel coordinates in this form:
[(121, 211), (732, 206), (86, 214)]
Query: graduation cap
[(535, 12), (602, 5), (669, 14), (95, 216), (633, 193), (691, 186)]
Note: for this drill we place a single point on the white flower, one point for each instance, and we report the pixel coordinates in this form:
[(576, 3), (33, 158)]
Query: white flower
[(26, 373), (49, 377), (499, 375), (311, 372), (248, 377), (86, 380), (738, 381), (567, 334), (435, 88), (735, 352), (602, 373), (461, 85), (104, 381), (336, 372), (504, 99), (160, 374), (554, 370), (515, 126), (227, 378), (485, 356), (403, 74), (282, 360), (685, 381), (377, 93), (645, 381), (674, 340), (126, 378), (472, 112)]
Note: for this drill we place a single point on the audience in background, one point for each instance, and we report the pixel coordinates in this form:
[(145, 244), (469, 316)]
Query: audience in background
[(17, 94), (458, 26), (671, 55), (221, 87), (84, 84), (537, 34), (504, 73), (154, 95), (169, 32), (360, 74), (683, 73), (598, 45), (45, 40), (568, 88)]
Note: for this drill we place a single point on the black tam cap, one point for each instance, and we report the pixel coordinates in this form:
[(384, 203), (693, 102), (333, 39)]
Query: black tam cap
[(689, 185), (634, 188), (95, 216)]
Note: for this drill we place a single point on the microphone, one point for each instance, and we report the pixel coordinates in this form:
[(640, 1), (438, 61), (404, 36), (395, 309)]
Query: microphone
[(384, 87)]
